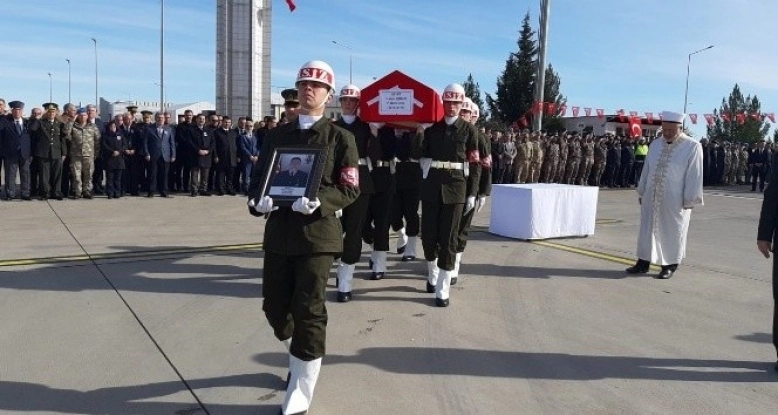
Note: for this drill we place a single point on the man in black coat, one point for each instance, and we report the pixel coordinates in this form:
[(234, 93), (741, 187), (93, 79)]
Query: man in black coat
[(767, 237), (759, 160), (201, 146), (180, 170), (15, 146), (226, 156)]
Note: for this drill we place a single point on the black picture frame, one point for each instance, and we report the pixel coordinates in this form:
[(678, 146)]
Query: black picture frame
[(284, 181)]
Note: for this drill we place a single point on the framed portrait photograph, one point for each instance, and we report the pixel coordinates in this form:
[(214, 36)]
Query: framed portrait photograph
[(293, 172)]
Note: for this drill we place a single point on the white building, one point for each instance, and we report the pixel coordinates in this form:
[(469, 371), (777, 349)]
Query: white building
[(610, 124), (243, 30)]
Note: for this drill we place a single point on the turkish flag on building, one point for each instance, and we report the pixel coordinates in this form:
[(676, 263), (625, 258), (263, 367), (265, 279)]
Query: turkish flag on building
[(756, 116), (575, 111), (693, 117), (600, 112), (551, 108), (771, 116), (562, 110), (709, 118), (741, 118), (633, 113), (635, 130), (650, 117), (621, 113), (724, 116), (588, 112)]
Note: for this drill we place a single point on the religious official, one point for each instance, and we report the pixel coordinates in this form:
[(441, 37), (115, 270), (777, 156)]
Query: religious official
[(302, 241), (449, 159), (670, 187)]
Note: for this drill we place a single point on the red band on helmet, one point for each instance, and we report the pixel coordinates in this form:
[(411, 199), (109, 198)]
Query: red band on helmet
[(317, 74), (349, 176), (473, 156)]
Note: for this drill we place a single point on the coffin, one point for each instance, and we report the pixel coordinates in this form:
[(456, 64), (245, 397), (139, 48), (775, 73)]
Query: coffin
[(401, 101)]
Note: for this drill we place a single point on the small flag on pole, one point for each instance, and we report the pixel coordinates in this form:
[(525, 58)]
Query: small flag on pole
[(291, 5)]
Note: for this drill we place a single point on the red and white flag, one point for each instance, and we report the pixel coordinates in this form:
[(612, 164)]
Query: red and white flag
[(757, 116), (709, 118), (562, 110), (575, 111), (635, 130), (693, 117), (600, 112), (551, 108), (621, 113), (588, 112), (724, 116), (633, 114), (650, 117), (741, 118), (291, 5), (771, 116)]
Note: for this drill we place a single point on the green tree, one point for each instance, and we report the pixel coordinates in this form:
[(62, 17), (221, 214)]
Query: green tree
[(514, 94), (551, 94), (749, 131), (473, 91)]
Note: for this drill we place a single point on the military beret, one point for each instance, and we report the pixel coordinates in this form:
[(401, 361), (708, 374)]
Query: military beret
[(16, 105), (146, 112), (50, 106), (290, 96)]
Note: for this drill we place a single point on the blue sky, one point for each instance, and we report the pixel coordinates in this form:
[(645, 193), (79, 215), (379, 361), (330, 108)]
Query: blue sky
[(610, 54)]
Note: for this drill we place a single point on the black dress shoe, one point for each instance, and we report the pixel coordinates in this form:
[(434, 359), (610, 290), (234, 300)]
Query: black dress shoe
[(401, 250), (193, 194), (149, 194), (408, 258), (441, 303), (640, 267), (281, 412), (59, 196), (666, 273), (231, 193), (454, 281), (377, 276), (344, 297), (204, 194), (165, 195), (219, 193), (430, 288)]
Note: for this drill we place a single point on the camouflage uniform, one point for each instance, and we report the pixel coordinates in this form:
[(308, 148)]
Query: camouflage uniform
[(742, 166), (536, 161), (551, 162), (600, 154), (573, 160), (562, 166), (734, 161), (727, 165), (587, 161), (83, 141), (521, 164)]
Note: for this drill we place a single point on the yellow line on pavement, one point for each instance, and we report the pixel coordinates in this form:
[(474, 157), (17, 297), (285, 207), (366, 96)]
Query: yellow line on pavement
[(125, 255), (589, 253)]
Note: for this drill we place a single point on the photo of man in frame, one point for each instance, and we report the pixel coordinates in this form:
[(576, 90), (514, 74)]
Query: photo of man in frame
[(293, 175)]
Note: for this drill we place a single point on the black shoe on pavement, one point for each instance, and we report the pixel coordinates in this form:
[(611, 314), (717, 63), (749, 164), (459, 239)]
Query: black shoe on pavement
[(454, 281), (344, 297), (377, 276), (667, 272), (640, 267), (430, 288), (441, 303), (407, 258), (193, 194)]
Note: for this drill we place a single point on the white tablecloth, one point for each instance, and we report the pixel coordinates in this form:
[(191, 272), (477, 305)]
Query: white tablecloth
[(540, 211)]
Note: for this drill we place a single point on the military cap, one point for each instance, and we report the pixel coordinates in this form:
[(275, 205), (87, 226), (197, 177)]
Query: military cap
[(81, 110), (50, 106), (132, 108), (16, 105), (290, 96), (146, 112)]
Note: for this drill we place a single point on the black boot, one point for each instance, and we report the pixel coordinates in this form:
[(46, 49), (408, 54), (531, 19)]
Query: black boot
[(667, 272), (640, 267)]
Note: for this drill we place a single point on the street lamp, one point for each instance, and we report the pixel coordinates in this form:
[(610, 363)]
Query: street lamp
[(688, 65), (162, 87), (162, 56), (540, 85), (350, 60), (97, 103), (51, 87), (69, 83)]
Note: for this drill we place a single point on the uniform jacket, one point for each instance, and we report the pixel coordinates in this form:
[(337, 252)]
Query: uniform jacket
[(383, 179), (292, 233), (183, 137), (111, 142), (156, 145), (84, 141), (200, 139), (485, 183), (457, 143), (12, 144), (48, 138), (367, 146), (768, 217), (408, 173), (226, 142)]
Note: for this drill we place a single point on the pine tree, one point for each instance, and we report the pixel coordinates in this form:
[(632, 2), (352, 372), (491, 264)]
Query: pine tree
[(473, 91), (750, 131), (551, 94)]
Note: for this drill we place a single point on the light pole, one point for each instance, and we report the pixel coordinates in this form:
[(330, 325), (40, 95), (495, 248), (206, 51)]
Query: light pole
[(350, 60), (162, 87), (162, 57), (540, 84), (688, 66), (69, 83), (51, 87), (97, 103)]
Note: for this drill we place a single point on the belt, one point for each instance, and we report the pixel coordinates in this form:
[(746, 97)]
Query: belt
[(449, 165), (363, 162), (382, 163), (407, 161)]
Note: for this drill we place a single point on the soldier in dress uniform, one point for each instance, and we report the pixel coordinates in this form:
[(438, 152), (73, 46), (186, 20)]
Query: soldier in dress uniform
[(49, 150), (484, 185), (377, 223), (354, 215), (302, 241), (291, 105), (449, 158), (405, 203)]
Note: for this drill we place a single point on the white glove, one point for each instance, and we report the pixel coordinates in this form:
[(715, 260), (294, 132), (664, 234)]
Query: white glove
[(305, 206), (264, 205), (425, 164), (470, 204), (422, 126), (375, 126), (481, 203), (339, 213)]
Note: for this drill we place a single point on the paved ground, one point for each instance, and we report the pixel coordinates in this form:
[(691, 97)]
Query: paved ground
[(167, 319)]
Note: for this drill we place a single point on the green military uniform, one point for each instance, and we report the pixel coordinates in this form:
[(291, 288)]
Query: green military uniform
[(573, 161), (742, 166), (734, 157), (405, 203), (48, 148), (300, 249), (536, 161), (724, 179), (600, 156), (562, 169), (587, 162), (377, 224), (550, 161), (522, 161), (82, 142), (484, 190), (446, 187)]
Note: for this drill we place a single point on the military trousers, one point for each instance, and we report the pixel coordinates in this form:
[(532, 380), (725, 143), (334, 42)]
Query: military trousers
[(585, 171), (353, 220), (464, 230), (405, 211), (775, 303), (376, 229), (50, 176), (14, 165), (439, 231), (81, 174), (294, 292)]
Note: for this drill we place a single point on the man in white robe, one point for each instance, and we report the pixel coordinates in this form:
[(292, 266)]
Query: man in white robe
[(670, 186)]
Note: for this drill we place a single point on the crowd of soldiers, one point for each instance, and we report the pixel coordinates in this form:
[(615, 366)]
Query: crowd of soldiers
[(72, 153), (613, 161)]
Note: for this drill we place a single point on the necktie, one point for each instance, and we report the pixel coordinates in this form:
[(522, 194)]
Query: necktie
[(19, 127)]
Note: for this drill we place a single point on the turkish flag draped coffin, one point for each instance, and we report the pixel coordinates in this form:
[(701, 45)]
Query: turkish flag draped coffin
[(400, 100)]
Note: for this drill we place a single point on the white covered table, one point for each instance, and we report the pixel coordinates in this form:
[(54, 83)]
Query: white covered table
[(541, 211)]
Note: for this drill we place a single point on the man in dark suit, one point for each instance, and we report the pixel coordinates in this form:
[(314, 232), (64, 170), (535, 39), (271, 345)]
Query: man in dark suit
[(759, 161), (768, 237), (226, 156), (159, 148), (293, 176), (15, 146), (201, 146)]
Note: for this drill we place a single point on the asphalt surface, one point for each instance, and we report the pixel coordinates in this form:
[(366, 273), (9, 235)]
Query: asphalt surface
[(153, 306)]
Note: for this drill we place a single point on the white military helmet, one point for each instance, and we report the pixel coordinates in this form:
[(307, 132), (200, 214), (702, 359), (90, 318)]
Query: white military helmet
[(318, 71), (476, 111), (454, 93), (467, 105), (350, 91)]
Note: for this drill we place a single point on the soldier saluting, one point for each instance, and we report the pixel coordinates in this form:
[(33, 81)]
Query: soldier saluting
[(451, 171), (49, 149), (302, 241)]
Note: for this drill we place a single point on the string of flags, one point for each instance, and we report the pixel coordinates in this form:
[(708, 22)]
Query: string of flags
[(550, 108)]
